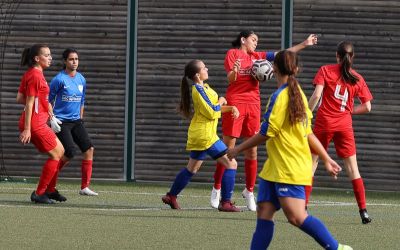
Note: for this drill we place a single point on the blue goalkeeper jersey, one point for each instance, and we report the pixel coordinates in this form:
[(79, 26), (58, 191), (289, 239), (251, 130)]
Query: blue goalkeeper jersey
[(67, 95)]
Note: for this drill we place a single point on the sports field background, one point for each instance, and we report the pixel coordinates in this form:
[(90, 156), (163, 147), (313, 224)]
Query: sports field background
[(132, 216)]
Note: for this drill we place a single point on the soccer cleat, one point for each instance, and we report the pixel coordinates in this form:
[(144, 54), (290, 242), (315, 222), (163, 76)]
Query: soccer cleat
[(41, 198), (56, 196), (250, 200), (364, 216), (215, 197), (87, 191), (171, 201), (344, 247), (228, 206)]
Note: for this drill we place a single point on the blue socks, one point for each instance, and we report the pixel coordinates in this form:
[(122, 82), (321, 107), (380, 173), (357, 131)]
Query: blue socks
[(181, 180), (227, 184), (263, 235), (316, 229)]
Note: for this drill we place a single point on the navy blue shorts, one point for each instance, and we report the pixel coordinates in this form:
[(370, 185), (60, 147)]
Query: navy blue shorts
[(216, 150), (270, 192)]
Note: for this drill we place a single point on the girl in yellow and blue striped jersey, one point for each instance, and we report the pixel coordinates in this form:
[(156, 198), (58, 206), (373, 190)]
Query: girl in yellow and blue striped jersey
[(286, 128), (202, 134)]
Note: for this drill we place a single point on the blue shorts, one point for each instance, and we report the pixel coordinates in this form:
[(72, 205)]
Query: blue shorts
[(216, 150), (271, 191)]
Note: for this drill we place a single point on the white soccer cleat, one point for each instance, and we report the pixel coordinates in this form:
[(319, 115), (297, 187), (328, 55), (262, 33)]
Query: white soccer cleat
[(344, 247), (87, 191), (215, 197), (250, 200)]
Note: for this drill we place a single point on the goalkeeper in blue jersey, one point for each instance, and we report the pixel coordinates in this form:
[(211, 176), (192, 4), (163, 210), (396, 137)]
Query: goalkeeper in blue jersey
[(202, 134), (67, 96)]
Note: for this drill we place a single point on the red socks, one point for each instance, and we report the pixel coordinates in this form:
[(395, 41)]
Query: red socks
[(52, 185), (48, 171), (86, 170), (219, 172), (308, 190), (359, 192), (250, 168)]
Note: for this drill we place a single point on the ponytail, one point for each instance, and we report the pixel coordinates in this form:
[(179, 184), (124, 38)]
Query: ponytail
[(25, 56), (191, 69), (286, 63), (184, 104), (297, 110), (345, 51)]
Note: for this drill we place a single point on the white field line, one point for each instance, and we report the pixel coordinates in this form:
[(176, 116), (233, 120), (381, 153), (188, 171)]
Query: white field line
[(311, 203)]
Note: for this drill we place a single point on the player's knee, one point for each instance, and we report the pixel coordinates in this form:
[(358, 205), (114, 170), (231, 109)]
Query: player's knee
[(69, 153), (89, 153), (295, 221)]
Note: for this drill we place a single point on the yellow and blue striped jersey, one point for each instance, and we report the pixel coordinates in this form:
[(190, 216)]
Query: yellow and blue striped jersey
[(289, 157), (202, 131)]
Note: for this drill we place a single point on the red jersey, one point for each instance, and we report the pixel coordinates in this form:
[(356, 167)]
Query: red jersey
[(34, 84), (334, 112), (245, 89)]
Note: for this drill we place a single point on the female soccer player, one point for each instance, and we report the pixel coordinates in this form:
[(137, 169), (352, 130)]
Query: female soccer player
[(33, 93), (243, 92), (286, 128), (339, 84), (202, 134), (67, 95)]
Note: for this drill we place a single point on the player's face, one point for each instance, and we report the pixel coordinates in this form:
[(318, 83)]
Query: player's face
[(72, 62), (203, 71), (250, 43), (44, 58)]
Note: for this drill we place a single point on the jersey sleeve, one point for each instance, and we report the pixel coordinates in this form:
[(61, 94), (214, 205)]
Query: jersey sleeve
[(33, 85), (274, 117), (267, 55), (230, 59), (319, 78), (55, 86), (22, 86), (364, 94), (83, 91), (204, 104)]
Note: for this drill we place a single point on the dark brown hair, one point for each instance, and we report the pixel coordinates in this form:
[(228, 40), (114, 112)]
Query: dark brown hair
[(286, 63), (345, 51), (238, 40), (191, 69), (28, 55)]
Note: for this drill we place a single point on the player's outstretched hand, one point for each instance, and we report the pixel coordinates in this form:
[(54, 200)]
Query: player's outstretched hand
[(311, 40), (332, 168), (55, 124)]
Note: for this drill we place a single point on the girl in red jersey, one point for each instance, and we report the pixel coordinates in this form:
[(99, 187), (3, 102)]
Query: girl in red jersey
[(339, 84), (33, 92), (243, 92)]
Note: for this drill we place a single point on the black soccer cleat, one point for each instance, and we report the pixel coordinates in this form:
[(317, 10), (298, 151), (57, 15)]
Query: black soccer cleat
[(364, 216), (56, 196), (44, 199)]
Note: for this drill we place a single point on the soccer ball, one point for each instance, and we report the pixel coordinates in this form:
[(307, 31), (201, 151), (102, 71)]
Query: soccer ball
[(262, 70)]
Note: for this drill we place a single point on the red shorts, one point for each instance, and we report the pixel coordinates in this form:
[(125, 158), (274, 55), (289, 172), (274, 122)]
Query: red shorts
[(344, 142), (44, 139), (246, 125)]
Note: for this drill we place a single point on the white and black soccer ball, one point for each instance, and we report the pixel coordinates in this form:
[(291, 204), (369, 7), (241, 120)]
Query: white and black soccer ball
[(262, 70)]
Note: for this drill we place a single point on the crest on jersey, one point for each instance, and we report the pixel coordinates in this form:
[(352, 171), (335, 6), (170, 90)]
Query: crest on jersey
[(80, 87)]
